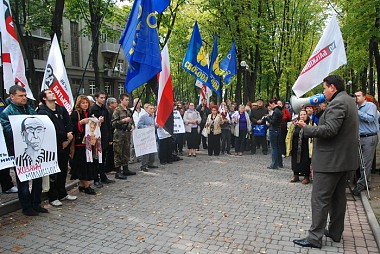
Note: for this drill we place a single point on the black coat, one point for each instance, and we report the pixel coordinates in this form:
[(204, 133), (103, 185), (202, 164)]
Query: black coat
[(61, 120), (106, 127)]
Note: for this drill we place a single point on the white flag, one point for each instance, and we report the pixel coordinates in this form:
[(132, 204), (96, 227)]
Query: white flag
[(55, 77), (328, 56), (13, 61)]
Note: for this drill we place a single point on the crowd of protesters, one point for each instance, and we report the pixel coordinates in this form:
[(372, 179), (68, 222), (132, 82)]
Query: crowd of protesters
[(223, 130)]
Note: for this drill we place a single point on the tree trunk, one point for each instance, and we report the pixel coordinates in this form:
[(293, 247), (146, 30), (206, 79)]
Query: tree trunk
[(95, 26), (371, 90), (56, 23)]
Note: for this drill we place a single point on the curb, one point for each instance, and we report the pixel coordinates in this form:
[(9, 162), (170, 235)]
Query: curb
[(371, 218), (14, 205)]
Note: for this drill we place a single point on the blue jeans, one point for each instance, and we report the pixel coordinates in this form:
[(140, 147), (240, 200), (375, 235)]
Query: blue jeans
[(29, 199), (275, 139)]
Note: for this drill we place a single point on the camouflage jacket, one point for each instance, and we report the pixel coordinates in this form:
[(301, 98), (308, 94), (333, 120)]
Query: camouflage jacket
[(118, 115)]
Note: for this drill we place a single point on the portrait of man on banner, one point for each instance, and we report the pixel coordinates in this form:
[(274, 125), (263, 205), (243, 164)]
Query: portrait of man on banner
[(35, 154)]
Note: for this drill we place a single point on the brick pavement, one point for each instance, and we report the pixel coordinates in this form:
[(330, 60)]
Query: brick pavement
[(224, 204)]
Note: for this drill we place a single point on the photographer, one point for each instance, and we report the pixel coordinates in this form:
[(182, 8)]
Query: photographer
[(368, 128)]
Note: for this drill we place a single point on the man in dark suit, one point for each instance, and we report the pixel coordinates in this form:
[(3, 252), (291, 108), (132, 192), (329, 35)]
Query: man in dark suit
[(335, 154)]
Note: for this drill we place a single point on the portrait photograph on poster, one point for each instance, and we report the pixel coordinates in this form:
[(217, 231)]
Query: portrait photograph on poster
[(92, 139)]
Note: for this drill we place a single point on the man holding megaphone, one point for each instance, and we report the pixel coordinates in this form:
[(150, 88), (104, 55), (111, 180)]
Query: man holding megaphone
[(335, 153)]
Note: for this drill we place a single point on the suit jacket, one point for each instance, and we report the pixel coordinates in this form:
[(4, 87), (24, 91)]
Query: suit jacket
[(336, 137)]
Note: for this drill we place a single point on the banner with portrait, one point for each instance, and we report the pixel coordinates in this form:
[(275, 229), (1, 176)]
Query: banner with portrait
[(35, 146), (5, 160), (93, 140), (144, 141)]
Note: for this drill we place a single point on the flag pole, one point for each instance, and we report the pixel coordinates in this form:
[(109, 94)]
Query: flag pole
[(92, 48)]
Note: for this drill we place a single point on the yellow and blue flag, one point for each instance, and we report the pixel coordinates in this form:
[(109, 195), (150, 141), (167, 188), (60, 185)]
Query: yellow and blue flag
[(228, 64), (195, 61), (215, 70), (141, 45)]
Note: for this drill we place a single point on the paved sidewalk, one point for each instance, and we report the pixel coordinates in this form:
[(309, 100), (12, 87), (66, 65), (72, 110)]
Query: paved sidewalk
[(224, 204)]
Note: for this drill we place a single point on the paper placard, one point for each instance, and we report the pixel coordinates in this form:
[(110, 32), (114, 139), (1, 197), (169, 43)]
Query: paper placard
[(35, 146), (5, 160), (144, 141), (179, 126)]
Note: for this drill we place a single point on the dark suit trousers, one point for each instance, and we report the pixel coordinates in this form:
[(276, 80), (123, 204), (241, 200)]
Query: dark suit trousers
[(328, 197), (5, 179), (58, 181)]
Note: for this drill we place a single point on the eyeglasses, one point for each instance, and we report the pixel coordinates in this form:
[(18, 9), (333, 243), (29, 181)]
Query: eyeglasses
[(37, 130)]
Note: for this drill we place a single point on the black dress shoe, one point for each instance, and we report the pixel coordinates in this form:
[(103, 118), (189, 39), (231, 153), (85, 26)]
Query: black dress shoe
[(81, 188), (152, 166), (327, 234), (89, 191), (98, 184), (305, 243), (40, 209), (120, 176), (271, 168), (30, 212), (107, 181), (144, 169)]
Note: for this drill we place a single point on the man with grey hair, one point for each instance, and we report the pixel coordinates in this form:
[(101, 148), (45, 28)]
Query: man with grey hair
[(111, 105)]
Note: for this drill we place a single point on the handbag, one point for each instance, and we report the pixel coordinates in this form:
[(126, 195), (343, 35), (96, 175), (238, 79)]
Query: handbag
[(259, 130), (204, 132)]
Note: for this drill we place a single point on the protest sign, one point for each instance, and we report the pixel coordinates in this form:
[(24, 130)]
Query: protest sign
[(144, 141), (93, 140), (35, 146), (5, 160), (179, 126)]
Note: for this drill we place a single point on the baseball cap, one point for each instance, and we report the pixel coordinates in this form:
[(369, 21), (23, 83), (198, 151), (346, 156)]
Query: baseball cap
[(89, 97)]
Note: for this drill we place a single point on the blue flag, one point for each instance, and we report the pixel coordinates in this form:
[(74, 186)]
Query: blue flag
[(161, 5), (228, 64), (141, 45), (195, 61), (215, 71)]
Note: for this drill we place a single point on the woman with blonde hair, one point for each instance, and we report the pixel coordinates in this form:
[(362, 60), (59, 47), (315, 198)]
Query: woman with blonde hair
[(214, 131), (192, 119), (81, 169)]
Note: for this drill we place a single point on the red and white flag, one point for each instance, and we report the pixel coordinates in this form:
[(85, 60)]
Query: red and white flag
[(205, 92), (165, 101), (11, 55), (328, 56), (55, 77)]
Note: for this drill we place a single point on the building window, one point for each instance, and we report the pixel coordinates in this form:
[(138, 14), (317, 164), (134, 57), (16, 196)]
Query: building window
[(74, 30), (92, 87), (107, 88), (75, 83), (120, 65), (121, 88)]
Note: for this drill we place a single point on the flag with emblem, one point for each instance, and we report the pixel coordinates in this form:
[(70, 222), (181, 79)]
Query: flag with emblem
[(328, 55), (228, 64), (195, 61), (140, 44), (11, 55), (215, 70), (55, 77)]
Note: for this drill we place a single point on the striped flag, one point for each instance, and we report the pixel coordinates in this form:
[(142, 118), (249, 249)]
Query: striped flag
[(55, 77), (165, 101), (11, 55)]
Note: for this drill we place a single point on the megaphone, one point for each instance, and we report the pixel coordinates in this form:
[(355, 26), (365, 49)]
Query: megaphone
[(299, 103)]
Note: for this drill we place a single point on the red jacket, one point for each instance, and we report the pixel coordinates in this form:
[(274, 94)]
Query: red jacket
[(287, 117)]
